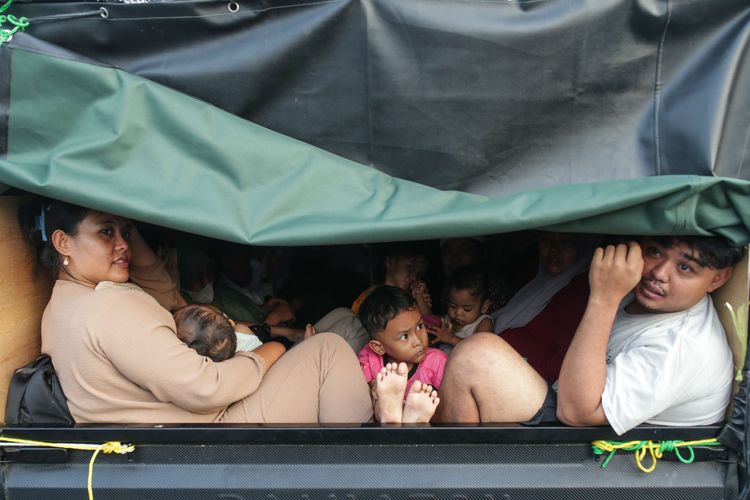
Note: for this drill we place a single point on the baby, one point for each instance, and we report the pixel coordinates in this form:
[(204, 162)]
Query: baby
[(208, 331), (397, 361), (467, 305)]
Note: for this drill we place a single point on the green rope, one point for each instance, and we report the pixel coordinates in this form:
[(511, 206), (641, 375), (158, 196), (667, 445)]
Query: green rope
[(5, 7), (18, 23), (656, 449)]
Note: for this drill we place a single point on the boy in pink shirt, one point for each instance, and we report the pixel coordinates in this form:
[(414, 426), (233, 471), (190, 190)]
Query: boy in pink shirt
[(401, 368)]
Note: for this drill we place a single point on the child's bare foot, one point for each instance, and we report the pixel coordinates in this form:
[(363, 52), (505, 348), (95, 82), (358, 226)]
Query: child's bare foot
[(390, 387), (421, 403), (309, 331)]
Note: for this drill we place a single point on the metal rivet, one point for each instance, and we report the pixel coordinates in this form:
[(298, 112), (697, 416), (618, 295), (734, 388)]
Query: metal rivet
[(233, 6)]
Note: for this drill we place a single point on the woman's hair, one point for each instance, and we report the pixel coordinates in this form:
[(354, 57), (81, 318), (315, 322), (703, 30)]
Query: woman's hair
[(382, 305), (469, 278), (207, 331), (39, 218)]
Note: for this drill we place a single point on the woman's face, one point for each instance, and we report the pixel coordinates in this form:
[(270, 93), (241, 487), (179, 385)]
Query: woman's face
[(99, 251), (557, 252)]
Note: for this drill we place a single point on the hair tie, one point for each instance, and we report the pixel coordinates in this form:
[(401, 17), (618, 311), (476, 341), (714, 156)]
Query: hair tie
[(41, 222)]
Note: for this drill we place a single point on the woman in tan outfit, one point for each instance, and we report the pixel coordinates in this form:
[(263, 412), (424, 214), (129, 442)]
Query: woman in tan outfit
[(118, 358)]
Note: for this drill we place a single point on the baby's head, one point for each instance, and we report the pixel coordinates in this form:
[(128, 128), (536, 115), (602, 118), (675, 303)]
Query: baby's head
[(395, 325), (467, 296), (205, 329)]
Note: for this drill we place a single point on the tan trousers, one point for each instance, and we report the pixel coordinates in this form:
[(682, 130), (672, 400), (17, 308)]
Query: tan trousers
[(318, 380)]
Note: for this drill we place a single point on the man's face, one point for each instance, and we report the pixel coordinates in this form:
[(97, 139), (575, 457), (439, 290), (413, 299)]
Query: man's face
[(673, 280)]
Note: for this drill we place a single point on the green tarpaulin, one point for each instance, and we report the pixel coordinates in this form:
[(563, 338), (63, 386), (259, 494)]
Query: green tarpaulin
[(104, 138)]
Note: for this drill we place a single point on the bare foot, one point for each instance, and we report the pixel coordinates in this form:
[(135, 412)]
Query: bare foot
[(421, 403), (390, 387), (309, 331)]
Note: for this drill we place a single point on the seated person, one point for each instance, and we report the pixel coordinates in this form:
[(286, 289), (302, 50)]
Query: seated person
[(236, 291), (198, 285), (649, 348), (397, 362), (117, 356), (467, 306), (400, 271), (539, 322)]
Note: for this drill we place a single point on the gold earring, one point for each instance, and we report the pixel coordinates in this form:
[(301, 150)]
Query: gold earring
[(66, 261)]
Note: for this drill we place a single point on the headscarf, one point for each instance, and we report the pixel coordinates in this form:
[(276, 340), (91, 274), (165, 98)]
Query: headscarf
[(535, 295)]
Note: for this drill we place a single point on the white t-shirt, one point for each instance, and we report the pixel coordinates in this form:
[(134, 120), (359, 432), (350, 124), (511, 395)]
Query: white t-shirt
[(667, 369)]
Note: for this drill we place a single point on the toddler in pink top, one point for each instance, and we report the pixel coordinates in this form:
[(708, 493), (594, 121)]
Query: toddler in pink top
[(397, 362)]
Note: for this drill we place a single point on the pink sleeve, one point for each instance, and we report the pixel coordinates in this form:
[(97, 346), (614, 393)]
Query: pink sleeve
[(436, 360), (370, 363)]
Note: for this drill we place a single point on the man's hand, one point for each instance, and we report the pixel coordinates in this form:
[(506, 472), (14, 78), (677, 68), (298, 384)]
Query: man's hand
[(615, 271)]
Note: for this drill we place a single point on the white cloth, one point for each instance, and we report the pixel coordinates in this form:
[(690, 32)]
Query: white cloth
[(667, 369), (247, 342), (535, 295), (468, 330), (464, 332)]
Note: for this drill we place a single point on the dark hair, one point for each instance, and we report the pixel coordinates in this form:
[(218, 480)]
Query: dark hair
[(714, 252), (382, 305), (469, 278), (193, 263), (206, 331), (56, 215)]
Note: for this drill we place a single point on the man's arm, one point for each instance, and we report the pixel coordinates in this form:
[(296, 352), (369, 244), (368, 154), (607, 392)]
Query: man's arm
[(614, 273)]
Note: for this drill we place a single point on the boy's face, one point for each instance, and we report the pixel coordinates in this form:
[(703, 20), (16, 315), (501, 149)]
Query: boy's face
[(403, 339), (672, 279), (464, 308)]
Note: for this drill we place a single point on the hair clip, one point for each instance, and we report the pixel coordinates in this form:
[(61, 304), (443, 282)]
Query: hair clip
[(41, 222)]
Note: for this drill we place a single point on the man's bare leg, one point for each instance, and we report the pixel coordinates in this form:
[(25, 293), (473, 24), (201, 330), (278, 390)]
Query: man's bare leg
[(486, 380), (420, 404)]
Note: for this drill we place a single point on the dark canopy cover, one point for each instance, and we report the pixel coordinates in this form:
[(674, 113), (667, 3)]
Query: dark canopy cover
[(276, 122), (335, 121)]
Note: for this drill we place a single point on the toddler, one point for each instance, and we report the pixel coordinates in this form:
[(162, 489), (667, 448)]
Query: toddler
[(401, 368), (467, 305)]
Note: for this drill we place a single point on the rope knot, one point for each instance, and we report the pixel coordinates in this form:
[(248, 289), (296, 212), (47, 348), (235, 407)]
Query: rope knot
[(117, 447)]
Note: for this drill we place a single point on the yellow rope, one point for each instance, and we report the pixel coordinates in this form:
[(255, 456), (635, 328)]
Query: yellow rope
[(108, 447), (655, 450)]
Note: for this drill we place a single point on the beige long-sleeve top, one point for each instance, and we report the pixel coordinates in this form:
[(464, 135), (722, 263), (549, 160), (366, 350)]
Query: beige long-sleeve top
[(119, 361)]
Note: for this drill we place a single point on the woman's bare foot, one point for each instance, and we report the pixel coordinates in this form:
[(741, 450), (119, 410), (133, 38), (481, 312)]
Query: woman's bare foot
[(421, 403), (390, 387)]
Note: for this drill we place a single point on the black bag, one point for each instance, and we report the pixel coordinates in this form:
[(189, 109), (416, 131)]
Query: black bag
[(35, 396)]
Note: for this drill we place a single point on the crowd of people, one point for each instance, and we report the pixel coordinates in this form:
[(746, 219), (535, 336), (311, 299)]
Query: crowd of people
[(533, 328)]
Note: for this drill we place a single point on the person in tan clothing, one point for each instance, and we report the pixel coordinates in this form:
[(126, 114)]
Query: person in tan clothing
[(119, 360)]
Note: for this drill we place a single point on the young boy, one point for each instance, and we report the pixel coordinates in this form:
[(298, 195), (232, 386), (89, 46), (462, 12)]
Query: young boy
[(397, 362)]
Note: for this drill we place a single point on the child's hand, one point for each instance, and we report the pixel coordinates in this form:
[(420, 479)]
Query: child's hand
[(422, 296), (443, 333)]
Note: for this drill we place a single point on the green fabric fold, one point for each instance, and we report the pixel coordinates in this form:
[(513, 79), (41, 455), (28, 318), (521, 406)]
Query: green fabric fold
[(103, 138)]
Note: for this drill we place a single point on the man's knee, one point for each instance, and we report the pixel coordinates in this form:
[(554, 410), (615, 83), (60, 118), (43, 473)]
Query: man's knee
[(469, 353)]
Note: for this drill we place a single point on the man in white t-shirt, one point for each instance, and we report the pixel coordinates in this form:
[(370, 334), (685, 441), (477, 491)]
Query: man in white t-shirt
[(658, 355)]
